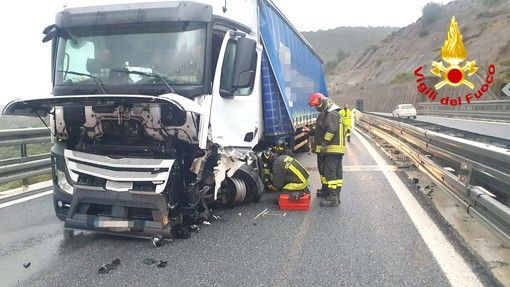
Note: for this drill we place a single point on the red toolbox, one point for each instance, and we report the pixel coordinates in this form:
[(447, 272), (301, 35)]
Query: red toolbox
[(303, 203)]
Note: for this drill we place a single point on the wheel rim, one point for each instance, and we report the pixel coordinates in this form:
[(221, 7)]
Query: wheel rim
[(240, 190)]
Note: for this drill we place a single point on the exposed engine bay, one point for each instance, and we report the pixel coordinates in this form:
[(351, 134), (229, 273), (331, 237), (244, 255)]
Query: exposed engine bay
[(135, 166)]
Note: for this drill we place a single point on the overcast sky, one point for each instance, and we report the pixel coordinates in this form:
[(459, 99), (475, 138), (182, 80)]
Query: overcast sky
[(25, 71)]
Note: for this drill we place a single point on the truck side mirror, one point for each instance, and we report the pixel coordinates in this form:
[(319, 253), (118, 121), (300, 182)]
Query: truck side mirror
[(245, 63)]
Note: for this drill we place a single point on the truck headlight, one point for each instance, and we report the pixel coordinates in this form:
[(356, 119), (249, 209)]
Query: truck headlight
[(62, 182)]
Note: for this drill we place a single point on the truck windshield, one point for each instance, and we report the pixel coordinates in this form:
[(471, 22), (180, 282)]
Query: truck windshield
[(129, 56)]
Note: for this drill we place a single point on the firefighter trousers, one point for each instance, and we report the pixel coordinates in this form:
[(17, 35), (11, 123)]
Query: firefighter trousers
[(333, 171)]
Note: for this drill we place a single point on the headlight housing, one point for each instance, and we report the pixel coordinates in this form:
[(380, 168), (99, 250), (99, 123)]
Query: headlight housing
[(62, 182)]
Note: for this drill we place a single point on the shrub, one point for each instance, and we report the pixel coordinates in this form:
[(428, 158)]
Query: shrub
[(431, 12), (402, 78)]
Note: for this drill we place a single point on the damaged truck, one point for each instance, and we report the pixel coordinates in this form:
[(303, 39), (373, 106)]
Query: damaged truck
[(159, 110)]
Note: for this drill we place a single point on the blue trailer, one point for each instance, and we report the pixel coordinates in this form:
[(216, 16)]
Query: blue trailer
[(291, 72)]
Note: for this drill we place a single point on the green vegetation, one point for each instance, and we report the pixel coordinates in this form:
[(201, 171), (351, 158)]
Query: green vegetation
[(9, 152), (491, 2), (431, 12), (330, 65), (19, 122), (504, 62), (328, 43), (423, 33), (402, 78), (18, 184)]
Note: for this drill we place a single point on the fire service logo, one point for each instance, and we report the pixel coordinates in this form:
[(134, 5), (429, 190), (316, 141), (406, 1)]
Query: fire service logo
[(454, 53)]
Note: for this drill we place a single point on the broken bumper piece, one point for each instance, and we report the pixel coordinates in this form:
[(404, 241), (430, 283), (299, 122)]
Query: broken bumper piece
[(119, 213)]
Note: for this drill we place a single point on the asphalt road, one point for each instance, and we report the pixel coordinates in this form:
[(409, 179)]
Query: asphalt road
[(377, 237)]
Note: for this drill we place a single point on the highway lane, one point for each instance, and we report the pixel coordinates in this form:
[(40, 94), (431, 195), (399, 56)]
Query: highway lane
[(375, 238)]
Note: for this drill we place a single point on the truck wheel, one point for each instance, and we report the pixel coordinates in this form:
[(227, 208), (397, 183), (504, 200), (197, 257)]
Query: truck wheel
[(253, 183)]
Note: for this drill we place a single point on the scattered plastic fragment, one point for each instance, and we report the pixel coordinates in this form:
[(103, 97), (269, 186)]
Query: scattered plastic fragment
[(109, 267), (206, 223), (26, 265), (149, 261), (194, 227), (158, 240), (215, 216)]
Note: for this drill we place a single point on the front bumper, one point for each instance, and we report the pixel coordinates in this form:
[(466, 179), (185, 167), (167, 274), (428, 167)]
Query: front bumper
[(119, 213)]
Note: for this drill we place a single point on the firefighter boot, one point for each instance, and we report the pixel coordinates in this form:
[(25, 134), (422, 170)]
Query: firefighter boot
[(338, 194), (323, 191), (331, 200)]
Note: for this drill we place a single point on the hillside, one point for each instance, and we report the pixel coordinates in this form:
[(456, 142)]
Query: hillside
[(347, 39), (484, 25)]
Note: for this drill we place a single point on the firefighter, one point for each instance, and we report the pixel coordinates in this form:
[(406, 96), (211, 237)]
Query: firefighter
[(288, 175), (282, 147), (317, 132), (346, 115), (332, 148)]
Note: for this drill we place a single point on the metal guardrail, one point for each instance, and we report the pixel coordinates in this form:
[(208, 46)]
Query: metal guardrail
[(25, 166), (418, 144), (492, 110)]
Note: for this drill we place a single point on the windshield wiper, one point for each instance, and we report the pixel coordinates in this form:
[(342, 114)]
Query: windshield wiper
[(96, 79), (147, 75)]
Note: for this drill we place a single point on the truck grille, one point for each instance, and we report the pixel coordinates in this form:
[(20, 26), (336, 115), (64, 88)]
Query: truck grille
[(118, 174)]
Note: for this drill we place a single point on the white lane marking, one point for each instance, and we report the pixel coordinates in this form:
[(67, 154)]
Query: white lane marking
[(368, 168), (20, 200), (452, 264)]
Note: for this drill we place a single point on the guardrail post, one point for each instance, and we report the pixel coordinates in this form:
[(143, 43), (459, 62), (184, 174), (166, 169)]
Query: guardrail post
[(465, 172), (24, 154)]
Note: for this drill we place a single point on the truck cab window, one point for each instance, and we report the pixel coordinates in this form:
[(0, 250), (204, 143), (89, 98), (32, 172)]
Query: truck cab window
[(124, 58)]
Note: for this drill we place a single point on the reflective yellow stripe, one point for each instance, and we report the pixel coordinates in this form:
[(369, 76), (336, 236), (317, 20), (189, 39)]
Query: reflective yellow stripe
[(295, 186), (323, 180), (297, 173), (334, 149), (328, 136)]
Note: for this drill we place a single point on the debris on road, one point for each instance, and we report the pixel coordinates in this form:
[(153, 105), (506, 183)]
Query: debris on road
[(109, 267), (149, 261), (26, 265)]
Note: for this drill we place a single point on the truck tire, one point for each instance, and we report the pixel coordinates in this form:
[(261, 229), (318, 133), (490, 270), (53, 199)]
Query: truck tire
[(254, 185)]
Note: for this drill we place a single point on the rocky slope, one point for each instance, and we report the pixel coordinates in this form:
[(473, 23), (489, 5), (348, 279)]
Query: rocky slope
[(486, 35)]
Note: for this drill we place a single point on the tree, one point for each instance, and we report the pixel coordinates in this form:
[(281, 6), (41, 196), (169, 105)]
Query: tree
[(431, 12)]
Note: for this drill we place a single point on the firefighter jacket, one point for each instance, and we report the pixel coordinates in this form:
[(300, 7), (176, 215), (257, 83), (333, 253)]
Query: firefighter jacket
[(346, 115), (318, 132), (289, 174), (334, 132)]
